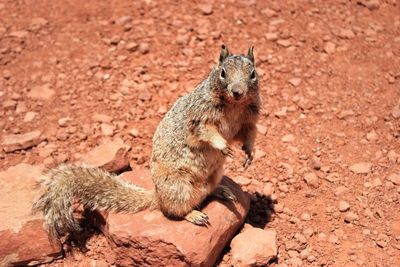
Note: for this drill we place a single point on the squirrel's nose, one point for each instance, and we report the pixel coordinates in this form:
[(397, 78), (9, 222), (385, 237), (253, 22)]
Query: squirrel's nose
[(237, 95), (237, 92)]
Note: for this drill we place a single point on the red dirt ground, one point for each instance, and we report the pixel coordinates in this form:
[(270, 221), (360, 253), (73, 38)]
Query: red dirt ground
[(330, 85)]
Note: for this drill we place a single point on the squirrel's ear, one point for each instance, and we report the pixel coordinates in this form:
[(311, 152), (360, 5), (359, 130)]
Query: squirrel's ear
[(250, 54), (224, 53)]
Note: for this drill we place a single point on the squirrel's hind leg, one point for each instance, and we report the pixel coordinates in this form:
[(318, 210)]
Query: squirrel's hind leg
[(224, 193), (178, 196), (217, 190)]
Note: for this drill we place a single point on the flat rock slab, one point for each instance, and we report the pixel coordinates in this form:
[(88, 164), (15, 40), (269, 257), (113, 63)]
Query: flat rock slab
[(23, 239), (148, 238), (361, 168), (111, 155), (14, 142), (41, 92)]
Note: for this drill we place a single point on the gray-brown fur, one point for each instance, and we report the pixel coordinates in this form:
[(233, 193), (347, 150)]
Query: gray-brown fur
[(189, 150)]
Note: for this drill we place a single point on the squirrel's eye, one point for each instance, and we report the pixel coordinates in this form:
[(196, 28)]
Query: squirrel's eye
[(223, 74), (253, 75)]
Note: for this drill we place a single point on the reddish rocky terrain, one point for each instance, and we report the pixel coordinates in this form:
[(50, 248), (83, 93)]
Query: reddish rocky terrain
[(326, 178)]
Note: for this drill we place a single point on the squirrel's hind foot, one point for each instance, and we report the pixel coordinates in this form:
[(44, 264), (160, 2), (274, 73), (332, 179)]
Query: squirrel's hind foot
[(224, 193), (197, 217)]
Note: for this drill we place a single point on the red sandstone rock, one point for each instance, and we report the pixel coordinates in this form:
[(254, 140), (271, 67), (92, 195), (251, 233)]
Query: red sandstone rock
[(23, 239), (14, 142), (110, 155), (148, 238), (254, 247)]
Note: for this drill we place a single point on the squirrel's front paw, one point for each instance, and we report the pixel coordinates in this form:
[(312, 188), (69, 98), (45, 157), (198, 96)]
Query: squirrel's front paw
[(248, 158), (197, 217), (227, 151)]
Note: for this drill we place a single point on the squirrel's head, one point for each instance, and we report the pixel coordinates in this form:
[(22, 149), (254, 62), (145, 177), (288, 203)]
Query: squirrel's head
[(235, 78)]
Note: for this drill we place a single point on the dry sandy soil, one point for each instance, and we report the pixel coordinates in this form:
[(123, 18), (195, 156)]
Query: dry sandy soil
[(328, 145)]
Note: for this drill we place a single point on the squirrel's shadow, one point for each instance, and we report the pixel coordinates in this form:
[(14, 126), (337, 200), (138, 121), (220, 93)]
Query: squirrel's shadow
[(261, 210)]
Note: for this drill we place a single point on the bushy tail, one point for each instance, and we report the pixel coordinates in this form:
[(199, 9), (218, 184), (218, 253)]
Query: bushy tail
[(96, 189)]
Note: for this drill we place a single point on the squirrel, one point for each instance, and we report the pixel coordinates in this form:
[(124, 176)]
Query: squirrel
[(190, 145)]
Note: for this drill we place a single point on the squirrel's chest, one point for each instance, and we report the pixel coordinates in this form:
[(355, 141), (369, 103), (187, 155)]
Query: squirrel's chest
[(230, 124)]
